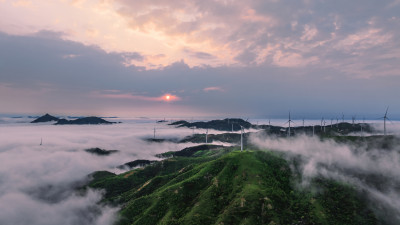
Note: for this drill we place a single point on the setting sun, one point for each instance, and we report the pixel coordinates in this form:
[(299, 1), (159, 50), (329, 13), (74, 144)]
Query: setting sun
[(169, 97)]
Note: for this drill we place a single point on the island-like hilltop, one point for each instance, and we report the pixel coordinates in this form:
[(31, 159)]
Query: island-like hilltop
[(80, 121), (235, 124), (85, 120), (231, 124), (45, 118)]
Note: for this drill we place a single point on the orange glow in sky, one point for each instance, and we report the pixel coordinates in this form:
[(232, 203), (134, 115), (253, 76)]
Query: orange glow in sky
[(169, 97)]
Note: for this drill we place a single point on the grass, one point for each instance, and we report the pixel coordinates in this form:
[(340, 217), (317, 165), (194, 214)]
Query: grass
[(223, 186)]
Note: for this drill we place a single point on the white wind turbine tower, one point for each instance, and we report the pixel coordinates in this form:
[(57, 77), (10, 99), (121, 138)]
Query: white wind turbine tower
[(206, 135), (289, 121), (241, 138), (232, 123), (361, 125), (154, 135), (384, 121), (322, 120), (313, 130)]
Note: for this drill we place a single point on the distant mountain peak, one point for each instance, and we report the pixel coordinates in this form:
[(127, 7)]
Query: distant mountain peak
[(45, 118), (84, 120)]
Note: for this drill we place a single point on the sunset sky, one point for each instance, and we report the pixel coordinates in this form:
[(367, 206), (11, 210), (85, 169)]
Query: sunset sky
[(256, 58)]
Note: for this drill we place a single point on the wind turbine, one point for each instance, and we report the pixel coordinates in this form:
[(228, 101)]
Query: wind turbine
[(342, 117), (229, 123), (206, 136), (313, 130), (154, 137), (289, 121), (384, 121), (324, 126), (353, 118), (41, 141), (241, 138), (322, 120), (361, 125)]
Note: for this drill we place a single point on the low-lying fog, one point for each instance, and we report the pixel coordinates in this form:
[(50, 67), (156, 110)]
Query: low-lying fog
[(37, 181), (374, 172)]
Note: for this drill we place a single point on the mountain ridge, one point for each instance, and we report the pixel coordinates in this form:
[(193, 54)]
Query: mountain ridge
[(225, 186)]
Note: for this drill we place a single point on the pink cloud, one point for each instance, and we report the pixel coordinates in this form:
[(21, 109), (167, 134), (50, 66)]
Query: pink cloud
[(215, 88)]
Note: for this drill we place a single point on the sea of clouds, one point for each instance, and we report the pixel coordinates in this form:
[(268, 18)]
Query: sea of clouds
[(38, 182)]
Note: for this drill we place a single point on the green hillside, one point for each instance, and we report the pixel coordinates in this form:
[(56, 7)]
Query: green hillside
[(222, 186)]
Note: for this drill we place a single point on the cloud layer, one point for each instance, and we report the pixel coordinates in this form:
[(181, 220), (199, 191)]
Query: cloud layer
[(357, 37), (371, 171), (37, 182), (281, 33)]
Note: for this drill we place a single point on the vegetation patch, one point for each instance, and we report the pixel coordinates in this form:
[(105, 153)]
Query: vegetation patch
[(227, 187)]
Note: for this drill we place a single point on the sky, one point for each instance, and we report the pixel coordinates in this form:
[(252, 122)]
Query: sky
[(257, 58)]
